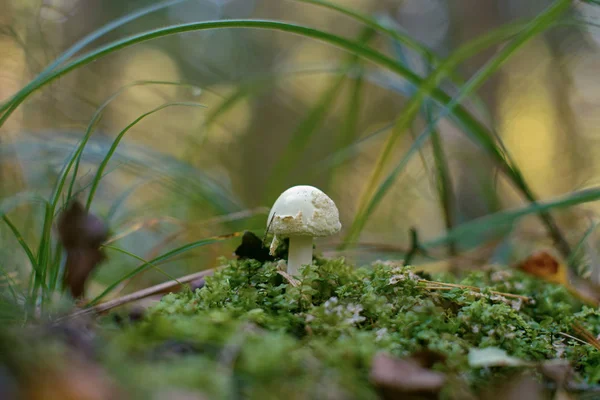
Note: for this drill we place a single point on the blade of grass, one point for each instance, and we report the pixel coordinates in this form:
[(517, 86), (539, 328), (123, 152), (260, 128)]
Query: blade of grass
[(123, 251), (504, 219), (92, 37), (575, 259), (256, 86), (10, 283), (349, 130), (56, 270), (374, 24), (386, 26), (17, 234), (9, 204), (123, 197), (302, 134), (171, 172), (443, 178), (253, 87), (162, 258), (98, 115), (443, 182), (42, 80), (346, 153), (346, 44), (466, 119), (374, 193), (314, 118), (44, 247), (119, 137), (6, 207)]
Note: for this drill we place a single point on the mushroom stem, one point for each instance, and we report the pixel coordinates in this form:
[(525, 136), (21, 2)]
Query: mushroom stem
[(299, 253)]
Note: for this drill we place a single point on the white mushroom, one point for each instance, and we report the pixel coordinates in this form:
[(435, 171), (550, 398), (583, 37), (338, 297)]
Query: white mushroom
[(301, 213)]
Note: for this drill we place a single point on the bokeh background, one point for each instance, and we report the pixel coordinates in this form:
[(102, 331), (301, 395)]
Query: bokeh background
[(278, 109)]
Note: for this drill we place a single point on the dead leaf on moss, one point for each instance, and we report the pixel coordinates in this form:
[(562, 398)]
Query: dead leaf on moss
[(545, 266), (81, 234), (404, 377)]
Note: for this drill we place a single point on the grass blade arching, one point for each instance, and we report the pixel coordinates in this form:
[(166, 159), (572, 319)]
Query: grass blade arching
[(19, 237), (90, 38), (315, 117), (374, 193), (115, 144), (130, 254), (504, 219), (98, 115), (162, 258), (349, 45)]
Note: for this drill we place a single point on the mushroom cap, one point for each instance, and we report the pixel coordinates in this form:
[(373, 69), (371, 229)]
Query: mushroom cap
[(304, 211)]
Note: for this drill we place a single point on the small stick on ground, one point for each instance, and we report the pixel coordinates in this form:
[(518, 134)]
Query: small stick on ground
[(433, 285), (164, 287), (587, 335)]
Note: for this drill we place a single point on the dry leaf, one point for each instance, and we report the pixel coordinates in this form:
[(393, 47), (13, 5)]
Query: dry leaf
[(81, 234), (545, 266), (401, 377)]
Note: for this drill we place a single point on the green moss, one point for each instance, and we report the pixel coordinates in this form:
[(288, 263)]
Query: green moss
[(251, 333)]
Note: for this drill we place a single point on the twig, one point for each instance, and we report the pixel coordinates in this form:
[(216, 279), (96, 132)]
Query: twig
[(574, 338), (448, 286), (587, 335), (164, 287)]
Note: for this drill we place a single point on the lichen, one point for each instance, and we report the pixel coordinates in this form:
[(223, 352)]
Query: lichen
[(254, 335)]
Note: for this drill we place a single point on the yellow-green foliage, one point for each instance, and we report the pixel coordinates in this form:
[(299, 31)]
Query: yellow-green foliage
[(249, 333)]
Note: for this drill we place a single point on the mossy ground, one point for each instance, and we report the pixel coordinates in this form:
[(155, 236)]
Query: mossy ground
[(251, 333)]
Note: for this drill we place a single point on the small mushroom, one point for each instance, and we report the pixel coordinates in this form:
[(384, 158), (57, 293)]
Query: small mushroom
[(301, 213)]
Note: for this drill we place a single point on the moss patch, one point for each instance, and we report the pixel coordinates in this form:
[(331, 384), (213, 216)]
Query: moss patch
[(249, 333)]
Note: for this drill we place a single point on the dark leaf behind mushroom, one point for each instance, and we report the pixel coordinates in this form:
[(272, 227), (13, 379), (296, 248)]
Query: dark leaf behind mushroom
[(81, 234), (252, 247)]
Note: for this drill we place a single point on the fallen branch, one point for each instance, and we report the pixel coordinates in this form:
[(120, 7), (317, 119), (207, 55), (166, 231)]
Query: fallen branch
[(165, 287)]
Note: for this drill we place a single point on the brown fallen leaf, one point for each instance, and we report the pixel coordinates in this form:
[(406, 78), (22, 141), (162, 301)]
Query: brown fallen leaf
[(545, 266), (549, 268), (81, 234), (406, 378)]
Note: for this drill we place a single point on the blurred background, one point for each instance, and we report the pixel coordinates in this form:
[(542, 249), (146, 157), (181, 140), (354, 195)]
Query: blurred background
[(282, 110)]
